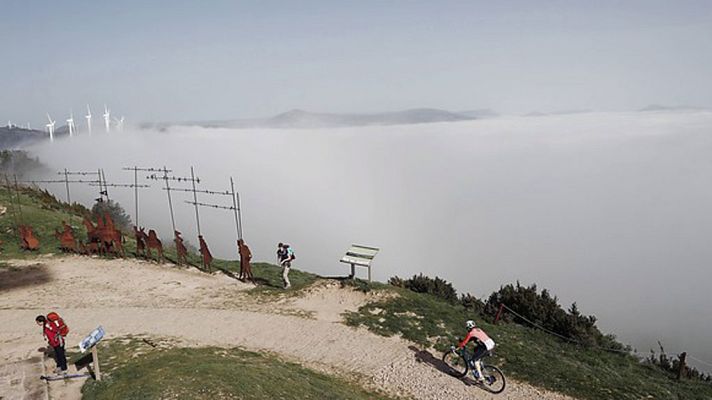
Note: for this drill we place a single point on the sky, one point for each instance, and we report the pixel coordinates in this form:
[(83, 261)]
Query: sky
[(181, 60)]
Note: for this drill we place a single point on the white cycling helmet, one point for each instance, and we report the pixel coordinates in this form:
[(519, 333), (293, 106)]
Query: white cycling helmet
[(470, 324)]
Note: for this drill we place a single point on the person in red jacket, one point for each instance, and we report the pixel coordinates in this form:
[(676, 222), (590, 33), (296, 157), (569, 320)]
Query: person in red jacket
[(483, 345), (51, 332)]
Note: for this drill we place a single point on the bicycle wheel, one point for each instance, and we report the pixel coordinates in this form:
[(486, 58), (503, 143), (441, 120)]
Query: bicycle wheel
[(456, 365), (494, 379)]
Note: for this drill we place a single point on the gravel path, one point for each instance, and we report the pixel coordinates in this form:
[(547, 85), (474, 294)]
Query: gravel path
[(141, 298)]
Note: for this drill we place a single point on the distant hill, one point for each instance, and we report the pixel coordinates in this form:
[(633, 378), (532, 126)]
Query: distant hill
[(560, 112), (305, 119), (658, 107), (479, 113), (14, 137)]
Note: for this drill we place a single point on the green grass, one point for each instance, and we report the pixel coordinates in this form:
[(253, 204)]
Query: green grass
[(45, 215), (135, 370), (269, 277), (39, 212), (526, 354)]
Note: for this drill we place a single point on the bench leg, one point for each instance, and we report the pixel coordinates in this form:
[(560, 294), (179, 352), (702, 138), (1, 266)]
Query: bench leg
[(353, 272)]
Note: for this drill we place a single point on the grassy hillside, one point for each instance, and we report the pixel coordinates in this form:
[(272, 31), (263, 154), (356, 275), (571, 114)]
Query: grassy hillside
[(526, 354), (137, 370), (45, 214)]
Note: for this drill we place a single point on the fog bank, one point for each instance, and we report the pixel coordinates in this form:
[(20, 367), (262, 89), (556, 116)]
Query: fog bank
[(611, 210)]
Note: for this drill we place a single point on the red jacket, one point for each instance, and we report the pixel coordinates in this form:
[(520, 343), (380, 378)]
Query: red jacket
[(51, 332)]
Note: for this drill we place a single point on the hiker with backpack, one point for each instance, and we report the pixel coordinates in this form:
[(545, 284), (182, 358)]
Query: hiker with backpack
[(285, 256), (55, 330)]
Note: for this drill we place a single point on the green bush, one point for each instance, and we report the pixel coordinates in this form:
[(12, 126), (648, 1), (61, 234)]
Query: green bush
[(543, 309), (437, 287), (118, 214)]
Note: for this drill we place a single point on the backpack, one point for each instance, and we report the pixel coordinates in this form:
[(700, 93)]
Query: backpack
[(57, 320), (290, 254)]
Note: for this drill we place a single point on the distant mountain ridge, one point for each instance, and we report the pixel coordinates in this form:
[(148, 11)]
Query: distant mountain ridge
[(14, 137), (301, 119)]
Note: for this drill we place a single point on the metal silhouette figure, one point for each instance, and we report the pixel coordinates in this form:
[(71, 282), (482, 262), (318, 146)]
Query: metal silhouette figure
[(245, 258), (181, 250), (28, 241), (67, 241), (205, 252), (153, 242), (104, 238), (140, 241)]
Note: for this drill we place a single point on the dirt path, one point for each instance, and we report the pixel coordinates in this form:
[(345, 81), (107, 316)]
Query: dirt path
[(128, 297)]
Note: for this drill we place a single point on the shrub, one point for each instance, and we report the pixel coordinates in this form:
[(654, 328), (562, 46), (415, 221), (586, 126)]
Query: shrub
[(544, 310), (437, 287), (117, 213)]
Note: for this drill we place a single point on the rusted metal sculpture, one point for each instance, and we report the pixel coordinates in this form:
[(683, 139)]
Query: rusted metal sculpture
[(93, 244), (140, 242), (112, 237), (245, 258), (67, 242), (205, 252), (153, 242), (104, 236), (181, 250), (27, 239)]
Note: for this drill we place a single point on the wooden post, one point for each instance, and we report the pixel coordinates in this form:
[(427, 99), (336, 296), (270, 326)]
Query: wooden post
[(681, 369), (95, 359), (353, 271), (369, 273), (499, 313)]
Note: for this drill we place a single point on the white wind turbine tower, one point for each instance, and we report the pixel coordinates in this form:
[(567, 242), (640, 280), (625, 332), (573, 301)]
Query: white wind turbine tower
[(88, 117), (107, 118), (119, 124), (50, 128), (70, 124)]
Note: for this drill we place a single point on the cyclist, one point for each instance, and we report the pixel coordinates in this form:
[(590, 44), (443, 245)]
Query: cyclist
[(483, 346)]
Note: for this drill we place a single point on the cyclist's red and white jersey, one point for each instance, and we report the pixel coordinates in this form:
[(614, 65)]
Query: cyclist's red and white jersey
[(479, 334)]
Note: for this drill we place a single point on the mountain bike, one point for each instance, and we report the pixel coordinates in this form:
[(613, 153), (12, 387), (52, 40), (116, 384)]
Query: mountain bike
[(494, 381)]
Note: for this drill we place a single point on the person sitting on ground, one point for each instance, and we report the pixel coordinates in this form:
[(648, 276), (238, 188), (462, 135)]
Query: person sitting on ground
[(483, 346), (51, 332)]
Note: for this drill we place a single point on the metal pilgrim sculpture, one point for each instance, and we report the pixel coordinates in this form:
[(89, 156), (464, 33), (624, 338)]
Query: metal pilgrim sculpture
[(67, 241), (181, 250), (205, 253), (153, 242), (245, 258), (28, 241), (140, 242), (104, 238)]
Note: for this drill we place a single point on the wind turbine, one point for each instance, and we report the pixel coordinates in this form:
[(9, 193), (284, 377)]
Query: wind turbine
[(50, 128), (119, 124), (88, 117), (107, 118), (70, 124)]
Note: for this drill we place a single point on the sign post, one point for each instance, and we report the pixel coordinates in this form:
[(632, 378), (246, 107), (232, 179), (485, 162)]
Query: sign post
[(90, 342)]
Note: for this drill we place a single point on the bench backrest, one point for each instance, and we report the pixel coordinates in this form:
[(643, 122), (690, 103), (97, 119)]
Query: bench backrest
[(360, 255)]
